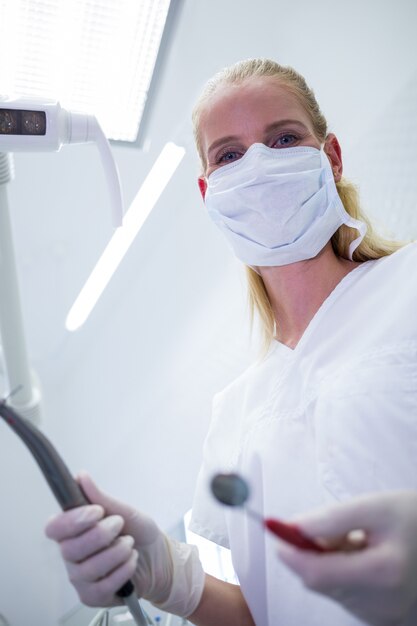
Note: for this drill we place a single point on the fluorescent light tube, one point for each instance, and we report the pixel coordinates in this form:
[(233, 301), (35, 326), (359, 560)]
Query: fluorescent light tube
[(146, 198)]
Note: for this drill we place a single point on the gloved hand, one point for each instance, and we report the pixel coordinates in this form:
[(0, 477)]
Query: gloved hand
[(377, 582), (107, 543)]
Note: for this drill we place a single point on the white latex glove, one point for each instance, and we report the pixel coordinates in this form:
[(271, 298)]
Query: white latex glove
[(377, 582), (107, 543)]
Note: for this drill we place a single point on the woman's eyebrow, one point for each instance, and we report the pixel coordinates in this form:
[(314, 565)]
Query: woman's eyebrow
[(268, 129), (278, 125), (221, 141)]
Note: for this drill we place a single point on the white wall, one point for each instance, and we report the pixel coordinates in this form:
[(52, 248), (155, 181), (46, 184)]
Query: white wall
[(128, 396)]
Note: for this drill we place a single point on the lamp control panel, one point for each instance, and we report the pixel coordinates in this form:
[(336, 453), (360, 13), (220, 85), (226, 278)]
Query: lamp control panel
[(22, 122)]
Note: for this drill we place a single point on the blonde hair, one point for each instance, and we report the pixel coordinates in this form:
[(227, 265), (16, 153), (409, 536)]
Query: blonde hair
[(372, 246)]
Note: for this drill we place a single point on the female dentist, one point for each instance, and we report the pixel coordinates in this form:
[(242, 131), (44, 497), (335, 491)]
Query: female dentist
[(328, 413)]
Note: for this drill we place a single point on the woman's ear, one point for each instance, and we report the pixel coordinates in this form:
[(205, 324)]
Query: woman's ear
[(202, 183), (334, 152)]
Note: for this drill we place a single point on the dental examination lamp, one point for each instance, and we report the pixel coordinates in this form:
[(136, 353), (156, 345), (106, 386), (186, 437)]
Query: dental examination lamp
[(30, 125), (36, 125)]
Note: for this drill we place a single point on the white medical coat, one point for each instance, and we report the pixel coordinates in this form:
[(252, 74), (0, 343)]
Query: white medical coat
[(334, 418)]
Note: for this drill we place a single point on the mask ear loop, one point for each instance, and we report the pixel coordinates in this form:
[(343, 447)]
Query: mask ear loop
[(359, 226), (349, 220)]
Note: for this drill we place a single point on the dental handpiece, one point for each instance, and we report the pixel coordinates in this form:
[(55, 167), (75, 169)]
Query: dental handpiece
[(64, 487), (233, 490)]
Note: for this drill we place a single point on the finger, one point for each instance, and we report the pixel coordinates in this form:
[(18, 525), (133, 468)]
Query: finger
[(141, 527), (73, 522), (368, 512), (100, 536), (354, 540), (110, 504), (323, 572), (101, 564), (102, 592)]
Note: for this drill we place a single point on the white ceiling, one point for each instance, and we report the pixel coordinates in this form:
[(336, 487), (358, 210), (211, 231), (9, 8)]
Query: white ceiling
[(128, 396)]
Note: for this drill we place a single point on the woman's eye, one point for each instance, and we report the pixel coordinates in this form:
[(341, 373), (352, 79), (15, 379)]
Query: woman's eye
[(286, 140), (227, 156)]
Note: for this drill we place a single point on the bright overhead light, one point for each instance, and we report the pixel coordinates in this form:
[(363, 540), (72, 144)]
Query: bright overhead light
[(146, 198), (94, 56)]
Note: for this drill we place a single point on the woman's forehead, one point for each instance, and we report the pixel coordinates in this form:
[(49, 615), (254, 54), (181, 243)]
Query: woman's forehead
[(258, 101)]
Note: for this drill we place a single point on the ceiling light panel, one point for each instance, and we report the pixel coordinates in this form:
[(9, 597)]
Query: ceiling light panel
[(95, 56)]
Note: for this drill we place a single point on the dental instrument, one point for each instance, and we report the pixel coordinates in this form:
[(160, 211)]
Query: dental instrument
[(41, 125), (64, 487), (232, 490)]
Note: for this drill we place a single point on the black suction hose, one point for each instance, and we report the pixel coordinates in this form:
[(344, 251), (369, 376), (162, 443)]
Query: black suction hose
[(64, 487)]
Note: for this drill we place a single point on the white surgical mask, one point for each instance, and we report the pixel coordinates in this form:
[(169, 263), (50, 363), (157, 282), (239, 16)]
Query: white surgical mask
[(278, 206)]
